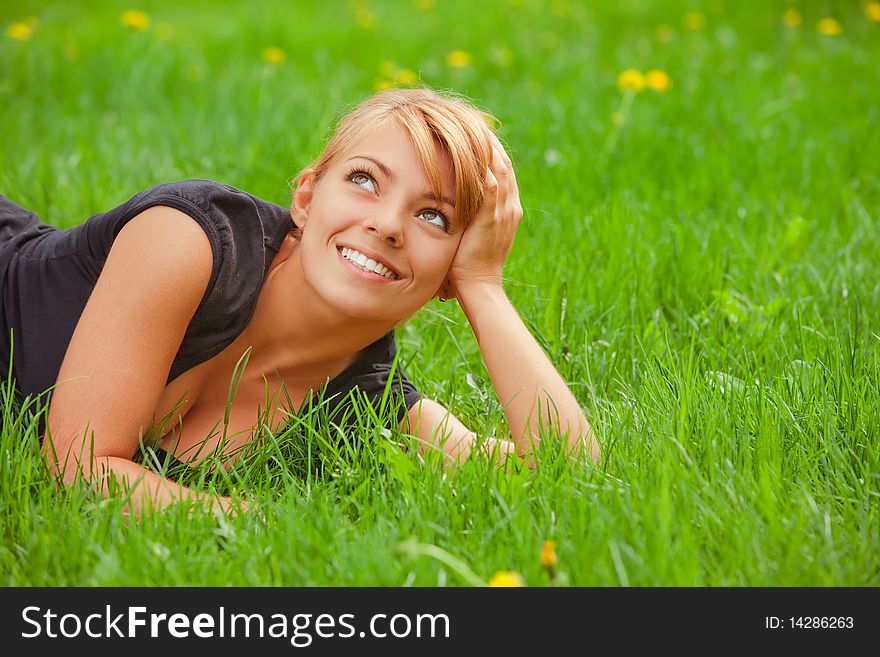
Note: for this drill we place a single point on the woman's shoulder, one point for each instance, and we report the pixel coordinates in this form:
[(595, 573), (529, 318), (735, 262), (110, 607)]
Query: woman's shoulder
[(204, 193), (231, 205), (220, 208)]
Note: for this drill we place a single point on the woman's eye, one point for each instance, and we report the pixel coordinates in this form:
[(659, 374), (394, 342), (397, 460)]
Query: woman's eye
[(363, 180), (434, 217)]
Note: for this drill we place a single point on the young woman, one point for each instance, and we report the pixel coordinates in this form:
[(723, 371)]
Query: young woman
[(143, 312)]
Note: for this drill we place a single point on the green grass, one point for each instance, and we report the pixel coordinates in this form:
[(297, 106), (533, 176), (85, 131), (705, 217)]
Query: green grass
[(704, 274)]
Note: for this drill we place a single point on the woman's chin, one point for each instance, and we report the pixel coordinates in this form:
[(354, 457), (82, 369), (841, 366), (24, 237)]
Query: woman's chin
[(369, 303), (359, 306)]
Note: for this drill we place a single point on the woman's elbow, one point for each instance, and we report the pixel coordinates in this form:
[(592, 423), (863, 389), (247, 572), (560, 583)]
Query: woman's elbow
[(65, 462), (584, 442)]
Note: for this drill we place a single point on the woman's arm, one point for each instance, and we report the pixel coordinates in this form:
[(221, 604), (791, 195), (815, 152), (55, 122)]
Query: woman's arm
[(119, 356), (532, 392), (438, 430)]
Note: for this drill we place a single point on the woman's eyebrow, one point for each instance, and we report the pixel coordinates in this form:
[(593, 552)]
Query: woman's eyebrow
[(382, 167), (430, 196)]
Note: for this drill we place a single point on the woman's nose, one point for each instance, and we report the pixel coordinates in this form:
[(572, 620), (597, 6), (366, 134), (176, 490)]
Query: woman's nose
[(385, 225)]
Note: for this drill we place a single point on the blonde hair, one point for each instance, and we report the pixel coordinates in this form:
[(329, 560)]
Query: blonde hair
[(430, 118)]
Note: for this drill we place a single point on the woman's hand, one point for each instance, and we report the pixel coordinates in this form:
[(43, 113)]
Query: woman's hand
[(487, 240)]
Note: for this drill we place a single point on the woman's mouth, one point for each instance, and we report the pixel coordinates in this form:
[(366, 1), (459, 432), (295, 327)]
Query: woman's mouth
[(365, 266)]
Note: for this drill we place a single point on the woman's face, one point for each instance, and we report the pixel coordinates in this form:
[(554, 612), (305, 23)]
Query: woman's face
[(374, 208)]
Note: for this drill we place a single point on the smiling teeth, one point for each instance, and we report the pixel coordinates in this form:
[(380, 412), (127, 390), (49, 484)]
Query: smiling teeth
[(367, 263)]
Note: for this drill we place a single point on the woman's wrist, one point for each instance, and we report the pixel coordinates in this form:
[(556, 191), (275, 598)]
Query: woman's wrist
[(476, 293)]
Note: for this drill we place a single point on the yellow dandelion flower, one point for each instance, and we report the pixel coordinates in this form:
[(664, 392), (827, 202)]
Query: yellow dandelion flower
[(548, 555), (872, 11), (658, 80), (664, 33), (506, 578), (425, 5), (458, 59), (406, 77), (382, 85), (792, 18), (631, 80), (694, 21), (20, 31), (274, 55), (135, 19), (829, 27)]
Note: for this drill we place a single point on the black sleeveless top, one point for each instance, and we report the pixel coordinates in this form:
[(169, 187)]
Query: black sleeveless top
[(47, 275)]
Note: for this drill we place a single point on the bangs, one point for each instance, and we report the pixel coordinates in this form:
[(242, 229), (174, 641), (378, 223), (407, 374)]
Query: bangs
[(431, 120), (464, 142)]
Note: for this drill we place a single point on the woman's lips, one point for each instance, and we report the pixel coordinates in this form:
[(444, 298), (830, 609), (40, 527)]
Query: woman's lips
[(364, 274)]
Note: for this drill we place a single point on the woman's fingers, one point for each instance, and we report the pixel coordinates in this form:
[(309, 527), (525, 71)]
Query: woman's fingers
[(491, 192), (512, 187), (508, 191), (495, 194), (501, 168)]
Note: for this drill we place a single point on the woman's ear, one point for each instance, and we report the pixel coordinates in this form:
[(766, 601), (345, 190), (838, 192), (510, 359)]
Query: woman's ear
[(302, 198)]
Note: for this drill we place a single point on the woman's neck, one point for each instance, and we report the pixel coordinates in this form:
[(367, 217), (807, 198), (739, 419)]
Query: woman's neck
[(294, 330)]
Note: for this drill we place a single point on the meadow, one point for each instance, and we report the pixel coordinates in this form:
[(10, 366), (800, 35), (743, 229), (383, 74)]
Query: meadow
[(698, 256)]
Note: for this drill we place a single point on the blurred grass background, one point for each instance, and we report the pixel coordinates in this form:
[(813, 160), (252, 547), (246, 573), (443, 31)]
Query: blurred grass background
[(699, 259)]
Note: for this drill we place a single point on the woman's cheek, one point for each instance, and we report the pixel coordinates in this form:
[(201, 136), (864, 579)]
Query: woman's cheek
[(440, 269)]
